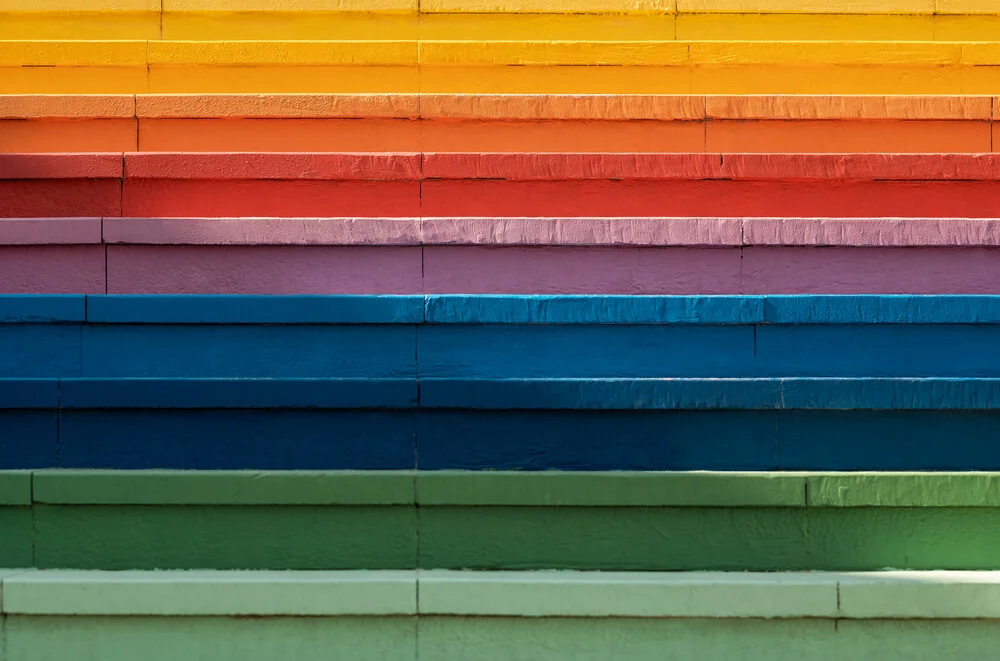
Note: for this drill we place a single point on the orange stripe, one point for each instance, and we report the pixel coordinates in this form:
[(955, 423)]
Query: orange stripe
[(373, 135), (77, 135), (426, 135), (848, 107), (491, 106), (885, 136)]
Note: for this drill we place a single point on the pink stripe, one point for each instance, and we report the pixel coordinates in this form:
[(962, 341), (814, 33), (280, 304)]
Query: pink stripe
[(871, 270), (52, 269), (263, 231), (488, 269), (582, 231), (871, 232), (269, 270), (860, 232), (485, 270), (49, 231)]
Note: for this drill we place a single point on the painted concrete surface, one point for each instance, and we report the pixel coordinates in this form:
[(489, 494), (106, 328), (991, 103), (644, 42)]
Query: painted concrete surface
[(314, 433), (50, 614), (510, 521)]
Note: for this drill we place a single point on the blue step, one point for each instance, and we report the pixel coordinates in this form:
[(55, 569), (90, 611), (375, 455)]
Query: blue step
[(567, 424)]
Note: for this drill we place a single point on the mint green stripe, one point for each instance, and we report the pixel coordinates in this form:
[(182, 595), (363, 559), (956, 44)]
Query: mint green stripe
[(904, 490), (31, 638), (180, 593)]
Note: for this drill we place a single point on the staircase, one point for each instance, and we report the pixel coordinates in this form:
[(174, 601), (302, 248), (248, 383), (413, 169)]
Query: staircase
[(499, 330)]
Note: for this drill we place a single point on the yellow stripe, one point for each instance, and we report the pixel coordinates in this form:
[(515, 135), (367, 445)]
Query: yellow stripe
[(540, 52), (547, 6), (477, 53), (282, 52), (72, 53), (820, 52), (809, 6), (831, 7), (332, 26), (290, 5), (967, 7), (36, 6), (89, 26)]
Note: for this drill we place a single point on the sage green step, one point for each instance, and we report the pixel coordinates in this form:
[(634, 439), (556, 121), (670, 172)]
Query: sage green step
[(493, 616)]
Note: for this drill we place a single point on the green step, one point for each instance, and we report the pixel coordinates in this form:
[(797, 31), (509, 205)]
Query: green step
[(452, 520)]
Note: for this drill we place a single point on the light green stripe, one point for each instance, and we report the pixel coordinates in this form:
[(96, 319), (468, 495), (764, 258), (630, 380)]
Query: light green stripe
[(628, 594), (375, 638), (904, 490), (224, 488), (179, 593), (554, 488), (607, 489), (712, 595)]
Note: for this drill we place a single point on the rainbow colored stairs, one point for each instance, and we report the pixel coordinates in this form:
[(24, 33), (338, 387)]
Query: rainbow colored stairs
[(499, 330)]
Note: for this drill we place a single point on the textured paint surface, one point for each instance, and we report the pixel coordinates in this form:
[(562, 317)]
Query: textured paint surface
[(527, 639), (708, 538), (225, 593), (664, 107), (568, 521), (236, 639), (280, 270), (298, 537), (501, 440)]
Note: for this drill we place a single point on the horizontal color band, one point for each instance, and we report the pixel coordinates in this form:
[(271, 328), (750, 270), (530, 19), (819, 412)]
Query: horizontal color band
[(824, 79), (412, 53), (638, 232), (473, 6), (484, 394), (841, 595), (511, 167), (502, 488), (494, 310), (498, 106)]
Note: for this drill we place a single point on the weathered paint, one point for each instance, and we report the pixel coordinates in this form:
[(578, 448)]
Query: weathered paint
[(225, 638), (753, 521), (211, 593), (369, 185), (587, 639), (664, 107), (229, 537)]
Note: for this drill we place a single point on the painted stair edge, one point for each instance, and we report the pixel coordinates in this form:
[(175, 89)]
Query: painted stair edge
[(248, 166), (421, 53), (458, 488), (786, 595), (583, 232), (526, 6), (494, 309), (610, 107)]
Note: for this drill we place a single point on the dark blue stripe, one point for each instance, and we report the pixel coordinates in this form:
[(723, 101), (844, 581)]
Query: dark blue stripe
[(46, 308), (239, 393), (239, 309), (507, 309), (595, 309)]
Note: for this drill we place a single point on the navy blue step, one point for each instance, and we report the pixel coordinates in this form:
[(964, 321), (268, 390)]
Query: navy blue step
[(567, 424)]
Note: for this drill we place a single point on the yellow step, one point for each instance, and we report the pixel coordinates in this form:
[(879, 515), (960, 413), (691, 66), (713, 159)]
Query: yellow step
[(289, 26), (530, 6)]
